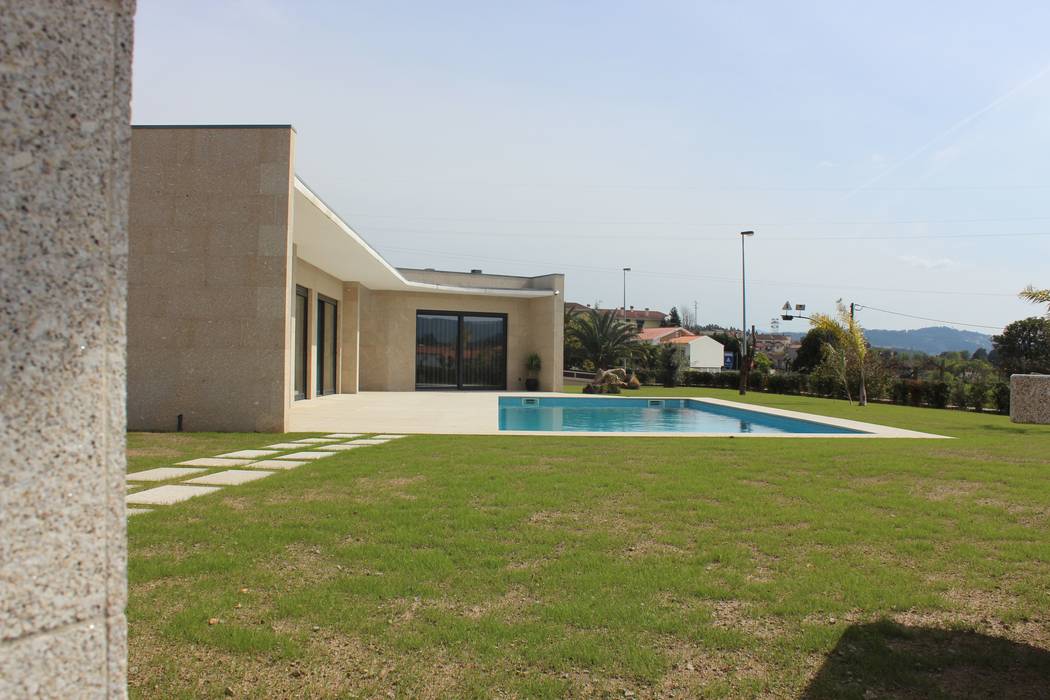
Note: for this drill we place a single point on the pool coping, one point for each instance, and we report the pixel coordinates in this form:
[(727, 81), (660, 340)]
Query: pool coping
[(477, 413), (870, 430)]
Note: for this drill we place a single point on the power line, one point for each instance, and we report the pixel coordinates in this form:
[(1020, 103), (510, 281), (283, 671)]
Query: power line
[(924, 318)]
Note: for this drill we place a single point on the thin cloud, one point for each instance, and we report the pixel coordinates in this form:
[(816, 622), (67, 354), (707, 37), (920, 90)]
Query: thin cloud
[(927, 263)]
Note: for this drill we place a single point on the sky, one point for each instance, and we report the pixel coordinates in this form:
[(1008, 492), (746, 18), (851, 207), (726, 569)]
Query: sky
[(890, 154)]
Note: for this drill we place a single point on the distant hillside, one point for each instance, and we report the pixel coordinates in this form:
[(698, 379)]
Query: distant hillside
[(933, 340)]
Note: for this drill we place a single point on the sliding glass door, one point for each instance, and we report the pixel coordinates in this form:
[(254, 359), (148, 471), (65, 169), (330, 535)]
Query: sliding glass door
[(461, 350), (327, 345), (300, 369)]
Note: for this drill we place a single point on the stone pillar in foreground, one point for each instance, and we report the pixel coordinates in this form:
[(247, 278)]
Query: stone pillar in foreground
[(1030, 398), (65, 74)]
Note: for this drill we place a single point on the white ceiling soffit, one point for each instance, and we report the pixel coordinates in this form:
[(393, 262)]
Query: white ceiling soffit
[(326, 242)]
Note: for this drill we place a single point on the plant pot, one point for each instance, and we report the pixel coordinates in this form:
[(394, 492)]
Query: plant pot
[(532, 384)]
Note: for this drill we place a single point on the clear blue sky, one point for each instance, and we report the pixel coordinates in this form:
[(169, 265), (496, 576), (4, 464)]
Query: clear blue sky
[(865, 143)]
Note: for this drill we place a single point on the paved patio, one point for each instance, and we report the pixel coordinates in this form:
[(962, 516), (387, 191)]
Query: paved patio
[(477, 413), (441, 412)]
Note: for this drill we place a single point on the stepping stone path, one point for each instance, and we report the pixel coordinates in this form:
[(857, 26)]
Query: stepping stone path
[(300, 453), (230, 477), (250, 454), (163, 474), (276, 464), (216, 462), (166, 495), (307, 455)]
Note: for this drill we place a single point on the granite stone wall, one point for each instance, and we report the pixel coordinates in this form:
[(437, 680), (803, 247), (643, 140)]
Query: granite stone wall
[(65, 74), (1030, 398)]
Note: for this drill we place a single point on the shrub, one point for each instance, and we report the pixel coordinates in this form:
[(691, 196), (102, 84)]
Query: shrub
[(612, 389), (633, 383), (1001, 397), (977, 395), (936, 394), (589, 389)]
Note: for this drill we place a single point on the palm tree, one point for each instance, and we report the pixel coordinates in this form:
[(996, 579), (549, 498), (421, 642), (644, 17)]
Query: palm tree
[(1037, 296), (602, 337), (847, 347)]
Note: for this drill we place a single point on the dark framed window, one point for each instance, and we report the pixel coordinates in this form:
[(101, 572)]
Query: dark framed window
[(461, 350), (300, 368), (327, 344)]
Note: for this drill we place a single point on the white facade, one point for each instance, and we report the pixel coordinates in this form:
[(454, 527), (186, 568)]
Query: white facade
[(705, 354)]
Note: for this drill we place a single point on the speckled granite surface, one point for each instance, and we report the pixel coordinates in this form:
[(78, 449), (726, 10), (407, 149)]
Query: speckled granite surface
[(1030, 398), (64, 135)]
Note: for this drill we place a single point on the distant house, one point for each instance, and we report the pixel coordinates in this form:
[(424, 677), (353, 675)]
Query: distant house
[(702, 352), (655, 336), (642, 318)]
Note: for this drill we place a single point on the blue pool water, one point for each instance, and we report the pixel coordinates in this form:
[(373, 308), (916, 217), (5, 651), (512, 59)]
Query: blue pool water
[(609, 415)]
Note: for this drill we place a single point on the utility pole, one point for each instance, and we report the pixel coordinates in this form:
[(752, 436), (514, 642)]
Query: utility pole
[(696, 317), (744, 235), (851, 305)]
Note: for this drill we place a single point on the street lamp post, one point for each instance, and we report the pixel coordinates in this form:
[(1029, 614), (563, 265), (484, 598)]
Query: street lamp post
[(625, 271), (744, 235)]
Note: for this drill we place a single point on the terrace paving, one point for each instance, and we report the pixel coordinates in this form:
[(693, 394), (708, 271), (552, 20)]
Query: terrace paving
[(168, 494)]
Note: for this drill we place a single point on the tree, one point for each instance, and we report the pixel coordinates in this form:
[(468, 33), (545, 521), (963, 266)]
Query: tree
[(980, 354), (1024, 347), (673, 319), (572, 353), (603, 337), (763, 363), (811, 352), (1037, 296), (848, 349)]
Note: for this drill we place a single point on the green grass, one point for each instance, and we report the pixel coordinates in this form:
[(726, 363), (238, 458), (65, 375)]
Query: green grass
[(446, 566)]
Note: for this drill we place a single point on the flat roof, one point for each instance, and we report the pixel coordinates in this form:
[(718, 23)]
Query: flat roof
[(327, 242)]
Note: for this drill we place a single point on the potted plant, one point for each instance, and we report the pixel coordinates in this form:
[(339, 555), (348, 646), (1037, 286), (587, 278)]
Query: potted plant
[(532, 367)]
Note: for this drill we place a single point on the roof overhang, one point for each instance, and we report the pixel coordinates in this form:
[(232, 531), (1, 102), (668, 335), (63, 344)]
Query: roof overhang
[(326, 241)]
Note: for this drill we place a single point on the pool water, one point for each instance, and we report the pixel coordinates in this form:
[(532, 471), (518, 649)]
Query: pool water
[(629, 415)]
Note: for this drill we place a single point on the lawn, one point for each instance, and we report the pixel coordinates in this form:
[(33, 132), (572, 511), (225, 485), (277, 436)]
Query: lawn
[(446, 566)]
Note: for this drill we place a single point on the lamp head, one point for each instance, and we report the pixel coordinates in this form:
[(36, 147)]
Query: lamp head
[(747, 233)]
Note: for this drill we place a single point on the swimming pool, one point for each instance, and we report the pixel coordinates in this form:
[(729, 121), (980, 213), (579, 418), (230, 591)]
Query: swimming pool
[(631, 415)]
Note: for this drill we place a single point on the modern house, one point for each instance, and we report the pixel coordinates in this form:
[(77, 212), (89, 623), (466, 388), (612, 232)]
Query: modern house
[(247, 293)]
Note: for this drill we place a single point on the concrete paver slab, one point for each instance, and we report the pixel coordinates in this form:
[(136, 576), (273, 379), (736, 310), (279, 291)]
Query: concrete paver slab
[(276, 464), (162, 473), (316, 440), (216, 462), (230, 477), (285, 446), (250, 454), (306, 455), (388, 437), (345, 436), (166, 495), (370, 441), (340, 448), (138, 511)]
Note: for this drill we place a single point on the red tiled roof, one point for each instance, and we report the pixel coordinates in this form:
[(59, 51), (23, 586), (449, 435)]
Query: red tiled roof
[(658, 333), (632, 314)]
